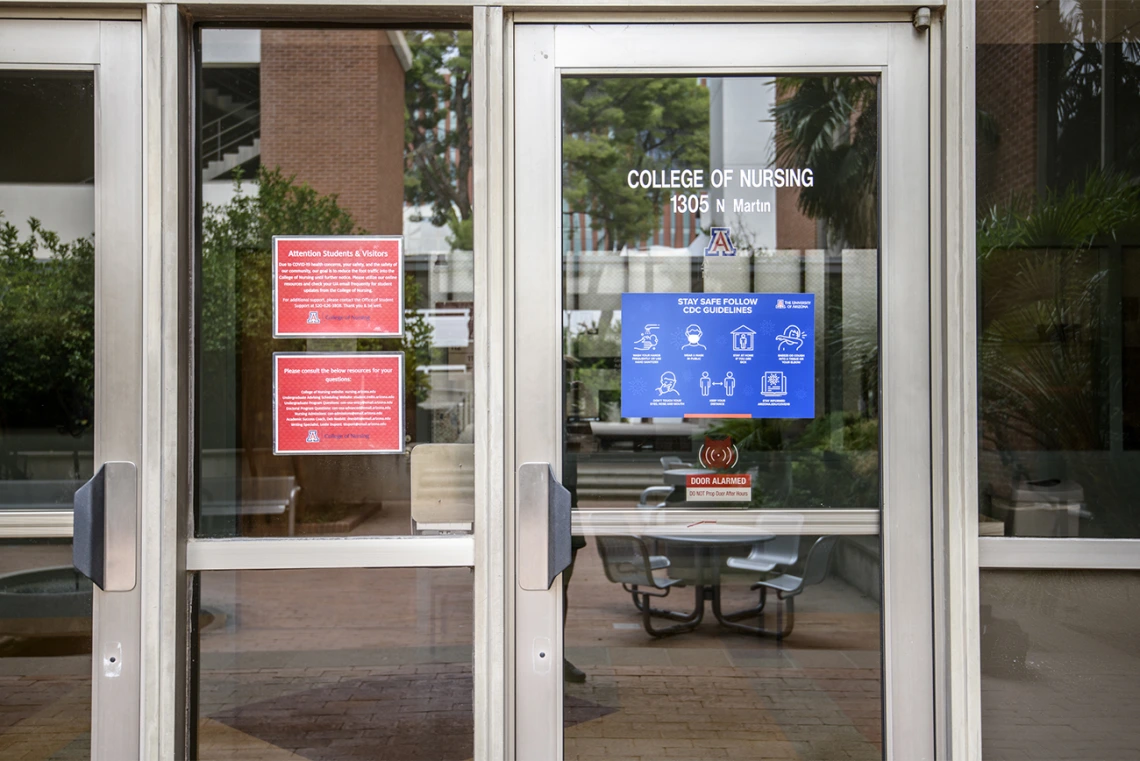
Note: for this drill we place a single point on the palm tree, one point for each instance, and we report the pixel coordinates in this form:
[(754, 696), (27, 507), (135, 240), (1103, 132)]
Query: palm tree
[(831, 125), (1041, 363)]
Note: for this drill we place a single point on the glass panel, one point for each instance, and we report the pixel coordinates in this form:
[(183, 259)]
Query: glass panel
[(1060, 672), (712, 691), (721, 298), (47, 359), (291, 662), (815, 235), (1058, 97), (324, 132)]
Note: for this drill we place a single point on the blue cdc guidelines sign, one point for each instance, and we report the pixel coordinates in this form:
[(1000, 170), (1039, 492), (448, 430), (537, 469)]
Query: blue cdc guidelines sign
[(718, 355)]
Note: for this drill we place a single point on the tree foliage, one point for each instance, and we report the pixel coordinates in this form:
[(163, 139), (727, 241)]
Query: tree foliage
[(237, 272), (1040, 355), (1079, 68), (830, 124), (47, 305), (612, 125), (438, 130), (47, 331), (804, 463)]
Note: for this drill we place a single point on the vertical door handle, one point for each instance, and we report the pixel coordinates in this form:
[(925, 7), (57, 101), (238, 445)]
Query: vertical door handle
[(105, 537), (542, 539)]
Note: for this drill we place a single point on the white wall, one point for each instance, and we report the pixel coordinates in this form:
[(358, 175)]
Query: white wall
[(742, 135), (68, 210), (222, 47), (221, 192)]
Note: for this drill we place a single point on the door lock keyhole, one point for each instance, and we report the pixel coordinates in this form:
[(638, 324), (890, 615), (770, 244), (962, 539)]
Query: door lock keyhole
[(539, 662)]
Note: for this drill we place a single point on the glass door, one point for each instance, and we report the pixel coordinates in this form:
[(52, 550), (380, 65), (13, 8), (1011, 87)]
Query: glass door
[(70, 380), (721, 347), (338, 426)]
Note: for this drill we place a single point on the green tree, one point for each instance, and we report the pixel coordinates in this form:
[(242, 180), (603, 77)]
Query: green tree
[(1045, 368), (1041, 360), (237, 273), (830, 124), (593, 375), (438, 131), (798, 462), (612, 125), (47, 335)]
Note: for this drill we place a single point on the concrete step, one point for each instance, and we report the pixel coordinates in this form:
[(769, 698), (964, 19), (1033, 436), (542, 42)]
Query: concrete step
[(243, 154), (213, 97)]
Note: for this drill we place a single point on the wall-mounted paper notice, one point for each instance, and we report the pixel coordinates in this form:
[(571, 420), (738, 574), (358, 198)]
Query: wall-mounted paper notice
[(718, 355), (338, 286), (338, 403)]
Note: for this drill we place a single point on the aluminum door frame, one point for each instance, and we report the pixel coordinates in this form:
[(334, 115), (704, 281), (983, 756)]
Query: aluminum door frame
[(113, 51), (900, 54)]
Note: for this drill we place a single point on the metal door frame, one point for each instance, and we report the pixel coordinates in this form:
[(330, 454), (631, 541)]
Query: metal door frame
[(112, 50), (900, 53)]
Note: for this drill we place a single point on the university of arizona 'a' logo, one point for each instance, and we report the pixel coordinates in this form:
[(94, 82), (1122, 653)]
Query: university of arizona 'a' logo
[(314, 319), (312, 438), (720, 243)]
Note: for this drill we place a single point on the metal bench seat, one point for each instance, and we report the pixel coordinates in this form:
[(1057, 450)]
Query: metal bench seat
[(787, 586), (627, 561), (271, 495), (38, 495)]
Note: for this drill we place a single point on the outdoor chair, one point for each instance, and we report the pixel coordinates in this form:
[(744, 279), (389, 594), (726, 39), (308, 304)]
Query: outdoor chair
[(787, 587), (654, 496), (627, 561), (783, 550), (779, 552), (267, 495)]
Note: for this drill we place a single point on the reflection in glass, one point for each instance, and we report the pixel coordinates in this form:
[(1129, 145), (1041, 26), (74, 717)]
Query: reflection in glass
[(750, 645), (47, 406), (291, 662), (663, 657), (45, 652), (395, 161), (820, 240), (1060, 673), (1058, 96)]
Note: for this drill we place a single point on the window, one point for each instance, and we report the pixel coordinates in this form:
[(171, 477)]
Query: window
[(1058, 122)]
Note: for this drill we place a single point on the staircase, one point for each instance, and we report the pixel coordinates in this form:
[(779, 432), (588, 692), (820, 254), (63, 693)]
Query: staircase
[(231, 127), (615, 481)]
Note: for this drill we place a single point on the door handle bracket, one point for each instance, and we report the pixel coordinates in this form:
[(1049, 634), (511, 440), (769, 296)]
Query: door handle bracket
[(105, 536), (542, 545)]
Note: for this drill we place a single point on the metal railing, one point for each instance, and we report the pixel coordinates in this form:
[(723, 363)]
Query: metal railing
[(231, 131)]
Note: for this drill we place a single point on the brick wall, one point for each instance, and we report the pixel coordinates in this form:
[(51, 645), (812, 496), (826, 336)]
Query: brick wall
[(332, 113), (794, 229), (1007, 92)]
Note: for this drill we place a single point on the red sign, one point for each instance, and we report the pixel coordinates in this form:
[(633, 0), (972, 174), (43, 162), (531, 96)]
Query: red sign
[(718, 452), (718, 487), (338, 403), (350, 285)]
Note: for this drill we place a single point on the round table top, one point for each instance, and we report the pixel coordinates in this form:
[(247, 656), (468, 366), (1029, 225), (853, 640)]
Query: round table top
[(711, 539)]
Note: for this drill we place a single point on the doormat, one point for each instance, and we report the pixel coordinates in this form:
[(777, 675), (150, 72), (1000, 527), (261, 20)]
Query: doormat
[(382, 717)]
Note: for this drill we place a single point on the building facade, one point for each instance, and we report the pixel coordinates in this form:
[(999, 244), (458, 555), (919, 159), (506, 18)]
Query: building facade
[(590, 380)]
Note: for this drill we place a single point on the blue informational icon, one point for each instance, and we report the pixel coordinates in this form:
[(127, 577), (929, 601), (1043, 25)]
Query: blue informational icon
[(718, 355)]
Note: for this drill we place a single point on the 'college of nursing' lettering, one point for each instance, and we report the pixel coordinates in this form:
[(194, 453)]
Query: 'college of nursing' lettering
[(669, 179)]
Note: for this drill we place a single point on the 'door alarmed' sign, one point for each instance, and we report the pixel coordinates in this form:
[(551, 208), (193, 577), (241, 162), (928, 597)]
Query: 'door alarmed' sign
[(718, 355)]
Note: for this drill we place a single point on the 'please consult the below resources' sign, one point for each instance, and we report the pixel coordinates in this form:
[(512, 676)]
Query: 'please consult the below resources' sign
[(333, 403)]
